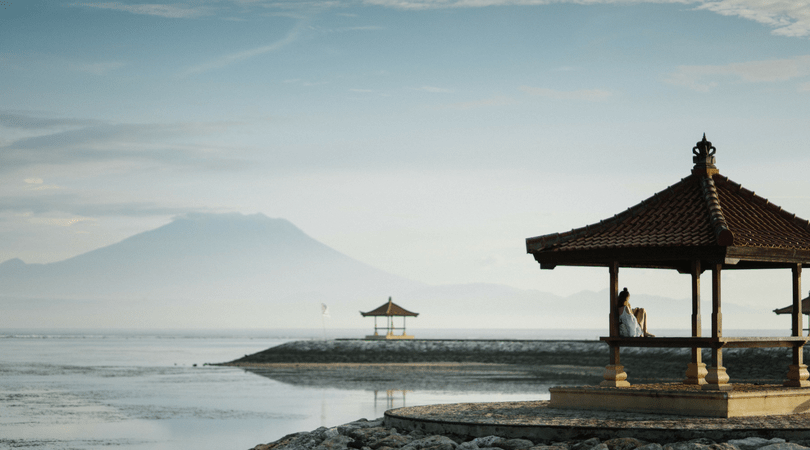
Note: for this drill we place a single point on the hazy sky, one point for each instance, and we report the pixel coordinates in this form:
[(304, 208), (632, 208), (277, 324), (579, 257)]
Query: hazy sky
[(427, 138)]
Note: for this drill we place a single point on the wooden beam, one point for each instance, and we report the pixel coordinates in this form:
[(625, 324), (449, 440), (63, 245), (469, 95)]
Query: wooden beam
[(614, 374), (797, 299), (614, 298), (696, 323), (696, 369), (797, 375), (716, 378)]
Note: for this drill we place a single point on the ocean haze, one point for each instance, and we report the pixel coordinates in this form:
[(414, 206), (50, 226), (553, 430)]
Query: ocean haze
[(252, 271)]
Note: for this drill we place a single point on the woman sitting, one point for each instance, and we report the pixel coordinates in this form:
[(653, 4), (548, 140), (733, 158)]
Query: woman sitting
[(632, 321)]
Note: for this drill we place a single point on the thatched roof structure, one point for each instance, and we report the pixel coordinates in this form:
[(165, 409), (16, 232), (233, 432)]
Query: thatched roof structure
[(389, 309)]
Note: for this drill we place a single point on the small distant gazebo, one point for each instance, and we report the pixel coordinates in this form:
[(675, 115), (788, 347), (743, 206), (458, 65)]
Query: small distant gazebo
[(703, 222), (389, 311), (789, 309)]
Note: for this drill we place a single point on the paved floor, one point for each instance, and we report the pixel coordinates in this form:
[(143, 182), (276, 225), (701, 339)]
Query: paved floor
[(537, 421)]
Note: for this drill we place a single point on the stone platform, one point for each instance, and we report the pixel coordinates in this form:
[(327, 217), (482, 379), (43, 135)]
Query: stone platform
[(742, 400), (538, 421)]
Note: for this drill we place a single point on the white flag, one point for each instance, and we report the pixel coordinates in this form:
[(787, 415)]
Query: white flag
[(324, 310)]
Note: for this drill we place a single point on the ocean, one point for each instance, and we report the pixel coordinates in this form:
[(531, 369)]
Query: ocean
[(124, 389), (94, 389)]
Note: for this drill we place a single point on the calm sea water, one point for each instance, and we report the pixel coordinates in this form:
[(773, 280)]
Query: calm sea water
[(141, 390)]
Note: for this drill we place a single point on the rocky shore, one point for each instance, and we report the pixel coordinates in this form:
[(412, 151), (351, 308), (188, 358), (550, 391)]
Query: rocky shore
[(375, 435), (578, 362), (495, 365)]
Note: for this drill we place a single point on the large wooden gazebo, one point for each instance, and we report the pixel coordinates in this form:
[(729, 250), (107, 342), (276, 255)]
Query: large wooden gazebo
[(703, 222), (389, 311)]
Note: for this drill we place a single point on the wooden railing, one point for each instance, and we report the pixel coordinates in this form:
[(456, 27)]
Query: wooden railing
[(706, 342)]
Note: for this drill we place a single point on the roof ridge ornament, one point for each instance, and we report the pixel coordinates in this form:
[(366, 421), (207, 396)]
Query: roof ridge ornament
[(704, 157)]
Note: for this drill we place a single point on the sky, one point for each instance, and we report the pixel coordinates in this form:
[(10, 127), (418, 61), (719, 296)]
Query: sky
[(427, 138)]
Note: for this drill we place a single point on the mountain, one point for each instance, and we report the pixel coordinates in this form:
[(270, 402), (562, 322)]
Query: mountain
[(236, 271), (199, 265)]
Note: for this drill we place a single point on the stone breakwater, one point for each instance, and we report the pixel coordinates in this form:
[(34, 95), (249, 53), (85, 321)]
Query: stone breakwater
[(643, 364), (375, 435)]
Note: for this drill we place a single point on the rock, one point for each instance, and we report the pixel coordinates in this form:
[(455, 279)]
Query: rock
[(753, 443), (471, 445), (361, 423), (555, 446), (626, 443), (515, 444), (723, 446), (366, 436), (297, 441), (652, 446), (393, 440), (587, 444), (336, 442), (331, 432), (694, 444), (487, 441), (783, 446), (435, 442)]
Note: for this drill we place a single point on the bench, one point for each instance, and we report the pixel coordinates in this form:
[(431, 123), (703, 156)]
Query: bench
[(706, 342)]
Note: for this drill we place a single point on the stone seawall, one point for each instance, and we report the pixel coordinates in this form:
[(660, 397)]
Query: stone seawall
[(644, 364)]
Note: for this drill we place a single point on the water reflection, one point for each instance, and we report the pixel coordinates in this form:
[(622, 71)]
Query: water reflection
[(391, 397), (429, 377)]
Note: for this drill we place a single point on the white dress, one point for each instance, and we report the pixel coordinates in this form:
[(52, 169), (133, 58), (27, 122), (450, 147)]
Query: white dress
[(628, 325)]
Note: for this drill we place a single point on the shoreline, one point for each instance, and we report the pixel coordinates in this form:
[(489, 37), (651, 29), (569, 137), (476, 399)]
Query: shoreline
[(378, 434), (547, 360)]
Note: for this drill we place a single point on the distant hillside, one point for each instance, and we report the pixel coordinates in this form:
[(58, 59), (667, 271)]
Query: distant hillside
[(237, 271), (200, 265)]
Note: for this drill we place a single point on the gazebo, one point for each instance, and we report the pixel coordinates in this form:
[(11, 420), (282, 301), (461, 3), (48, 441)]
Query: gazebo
[(789, 309), (703, 222), (389, 311)]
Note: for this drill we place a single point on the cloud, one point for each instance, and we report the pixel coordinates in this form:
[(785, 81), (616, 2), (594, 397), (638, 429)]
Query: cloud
[(98, 68), (704, 78), (58, 221), (168, 11), (591, 95), (498, 100), (78, 204), (27, 122), (436, 4), (787, 17), (434, 90), (106, 142), (243, 55), (804, 87)]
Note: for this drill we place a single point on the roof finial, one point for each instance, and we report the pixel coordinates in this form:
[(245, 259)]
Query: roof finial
[(704, 157)]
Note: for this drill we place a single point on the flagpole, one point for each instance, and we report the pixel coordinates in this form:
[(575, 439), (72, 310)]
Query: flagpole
[(324, 314)]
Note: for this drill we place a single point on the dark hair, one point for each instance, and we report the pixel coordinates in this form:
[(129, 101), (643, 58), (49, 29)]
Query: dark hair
[(622, 298)]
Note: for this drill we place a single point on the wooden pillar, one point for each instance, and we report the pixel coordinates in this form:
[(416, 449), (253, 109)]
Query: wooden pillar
[(614, 375), (797, 375), (716, 378), (696, 369)]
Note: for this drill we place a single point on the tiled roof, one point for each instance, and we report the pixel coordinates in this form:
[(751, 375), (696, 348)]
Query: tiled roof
[(390, 309), (701, 210)]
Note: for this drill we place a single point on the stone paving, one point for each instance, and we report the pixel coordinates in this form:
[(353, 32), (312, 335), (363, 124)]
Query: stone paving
[(536, 420)]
